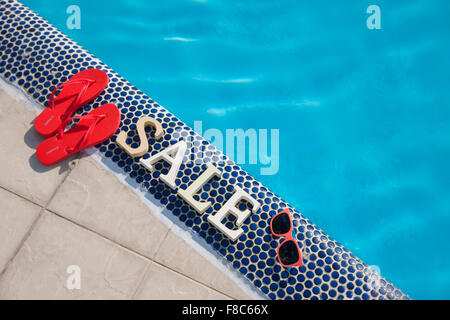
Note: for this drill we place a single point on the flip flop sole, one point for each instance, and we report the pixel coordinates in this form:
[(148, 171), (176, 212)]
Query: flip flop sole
[(49, 120), (54, 149)]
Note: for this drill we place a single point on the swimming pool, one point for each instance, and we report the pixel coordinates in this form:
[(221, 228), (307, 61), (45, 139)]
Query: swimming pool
[(365, 110)]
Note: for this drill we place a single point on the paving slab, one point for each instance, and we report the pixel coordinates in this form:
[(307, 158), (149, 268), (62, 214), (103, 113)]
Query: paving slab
[(40, 269), (16, 218), (95, 198), (161, 283), (20, 170), (178, 255)]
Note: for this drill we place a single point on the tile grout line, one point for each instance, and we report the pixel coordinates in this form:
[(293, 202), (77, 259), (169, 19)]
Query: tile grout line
[(194, 280), (35, 222), (162, 242), (21, 197), (181, 275), (141, 281), (71, 167), (72, 164), (21, 244), (136, 253)]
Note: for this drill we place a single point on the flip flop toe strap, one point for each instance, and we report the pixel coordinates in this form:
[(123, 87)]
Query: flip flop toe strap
[(74, 105), (96, 119)]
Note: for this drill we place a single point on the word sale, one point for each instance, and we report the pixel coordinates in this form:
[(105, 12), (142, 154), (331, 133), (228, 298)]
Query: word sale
[(174, 156)]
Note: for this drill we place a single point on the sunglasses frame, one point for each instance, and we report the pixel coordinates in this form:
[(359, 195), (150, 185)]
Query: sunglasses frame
[(288, 237)]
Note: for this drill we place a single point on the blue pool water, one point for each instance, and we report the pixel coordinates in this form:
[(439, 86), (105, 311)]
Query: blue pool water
[(363, 114)]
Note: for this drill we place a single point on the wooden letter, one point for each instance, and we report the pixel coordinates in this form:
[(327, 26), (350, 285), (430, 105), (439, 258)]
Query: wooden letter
[(174, 155), (140, 126), (230, 208)]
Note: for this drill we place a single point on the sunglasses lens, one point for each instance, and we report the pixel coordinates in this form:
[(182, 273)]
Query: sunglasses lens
[(281, 224), (288, 253)]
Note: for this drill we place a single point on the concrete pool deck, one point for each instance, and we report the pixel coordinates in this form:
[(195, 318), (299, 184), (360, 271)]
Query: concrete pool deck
[(55, 217)]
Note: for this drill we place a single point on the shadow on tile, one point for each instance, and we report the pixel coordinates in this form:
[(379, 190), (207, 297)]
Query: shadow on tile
[(32, 139)]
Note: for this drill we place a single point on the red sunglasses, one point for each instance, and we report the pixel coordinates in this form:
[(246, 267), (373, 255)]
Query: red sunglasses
[(289, 253)]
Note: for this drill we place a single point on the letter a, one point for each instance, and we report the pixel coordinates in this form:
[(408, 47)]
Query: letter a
[(174, 155), (374, 21), (74, 20), (74, 279)]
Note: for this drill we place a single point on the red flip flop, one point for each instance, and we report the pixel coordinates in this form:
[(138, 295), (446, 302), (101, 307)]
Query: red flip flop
[(81, 88), (94, 128)]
